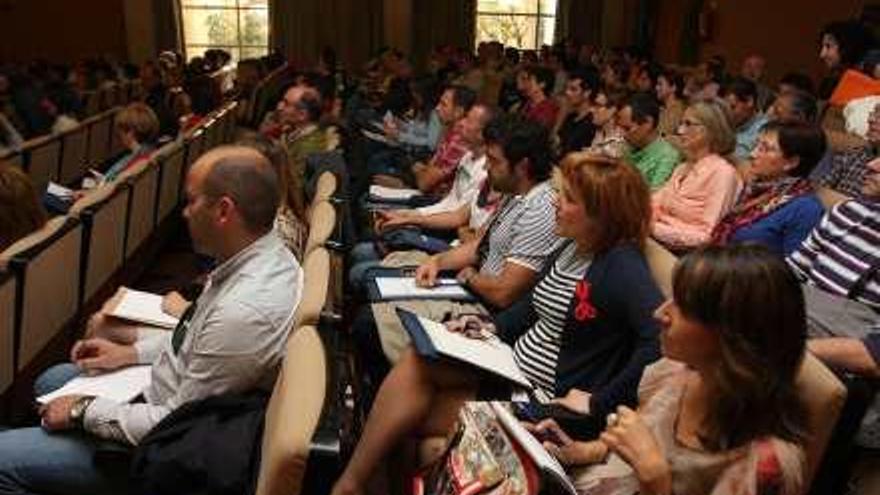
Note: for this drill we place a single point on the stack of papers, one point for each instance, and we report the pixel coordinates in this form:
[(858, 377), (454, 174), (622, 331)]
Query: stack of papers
[(381, 192), (121, 385), (392, 288), (59, 191)]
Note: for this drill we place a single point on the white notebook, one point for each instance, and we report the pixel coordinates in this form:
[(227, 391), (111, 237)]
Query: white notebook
[(143, 307), (491, 355), (121, 385), (393, 193), (59, 191), (405, 288)]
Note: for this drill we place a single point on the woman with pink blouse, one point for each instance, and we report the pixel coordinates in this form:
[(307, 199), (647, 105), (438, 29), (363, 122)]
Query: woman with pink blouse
[(704, 186)]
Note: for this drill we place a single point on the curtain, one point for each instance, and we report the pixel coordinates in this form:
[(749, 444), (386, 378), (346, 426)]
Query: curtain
[(166, 25), (437, 22), (301, 28), (579, 20)]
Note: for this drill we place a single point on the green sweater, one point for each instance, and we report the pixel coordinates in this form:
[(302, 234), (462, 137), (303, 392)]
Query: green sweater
[(655, 161)]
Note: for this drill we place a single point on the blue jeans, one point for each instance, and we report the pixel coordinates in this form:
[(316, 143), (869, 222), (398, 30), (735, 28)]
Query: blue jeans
[(34, 461)]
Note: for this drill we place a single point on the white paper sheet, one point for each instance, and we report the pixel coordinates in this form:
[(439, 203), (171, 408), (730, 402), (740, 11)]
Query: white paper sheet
[(121, 385), (143, 307), (405, 288), (59, 191)]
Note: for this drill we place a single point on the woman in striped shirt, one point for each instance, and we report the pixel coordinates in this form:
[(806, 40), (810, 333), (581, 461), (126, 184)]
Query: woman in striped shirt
[(585, 333)]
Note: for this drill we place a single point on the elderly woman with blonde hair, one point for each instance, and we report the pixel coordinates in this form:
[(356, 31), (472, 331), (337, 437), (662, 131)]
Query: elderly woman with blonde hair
[(705, 186)]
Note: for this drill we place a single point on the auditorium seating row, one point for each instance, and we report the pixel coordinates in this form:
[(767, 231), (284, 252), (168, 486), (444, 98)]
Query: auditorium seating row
[(65, 157), (49, 277), (111, 95)]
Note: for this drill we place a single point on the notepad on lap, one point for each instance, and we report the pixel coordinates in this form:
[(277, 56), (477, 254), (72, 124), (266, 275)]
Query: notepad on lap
[(433, 339), (121, 385), (59, 191), (395, 288), (143, 307), (382, 192)]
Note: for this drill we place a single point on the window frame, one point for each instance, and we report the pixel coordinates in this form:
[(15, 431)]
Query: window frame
[(538, 16), (238, 9)]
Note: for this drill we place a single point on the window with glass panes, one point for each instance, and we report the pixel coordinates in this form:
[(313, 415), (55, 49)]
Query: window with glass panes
[(525, 24), (240, 27)]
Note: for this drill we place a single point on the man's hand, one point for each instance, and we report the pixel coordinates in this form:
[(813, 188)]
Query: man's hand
[(426, 273), (56, 414), (95, 356), (387, 220)]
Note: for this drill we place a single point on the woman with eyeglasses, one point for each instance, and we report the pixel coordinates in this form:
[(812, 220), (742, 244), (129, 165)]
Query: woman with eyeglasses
[(705, 186), (778, 207), (720, 413), (584, 334)]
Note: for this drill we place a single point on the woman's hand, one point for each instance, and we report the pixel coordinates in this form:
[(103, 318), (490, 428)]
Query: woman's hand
[(563, 447), (629, 437), (576, 401), (426, 273)]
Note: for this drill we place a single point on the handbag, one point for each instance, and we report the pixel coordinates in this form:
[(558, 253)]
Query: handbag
[(480, 458)]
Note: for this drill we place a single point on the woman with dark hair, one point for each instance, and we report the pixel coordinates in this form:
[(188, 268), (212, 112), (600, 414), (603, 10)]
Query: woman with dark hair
[(843, 45), (720, 413), (583, 334), (20, 209), (778, 207), (670, 92)]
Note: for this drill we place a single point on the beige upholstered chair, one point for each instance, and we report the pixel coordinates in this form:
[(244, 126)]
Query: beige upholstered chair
[(99, 138), (195, 146), (47, 265), (170, 160), (104, 212), (293, 414), (44, 157), (823, 394), (316, 280), (7, 329), (73, 158), (325, 187), (322, 223), (143, 180)]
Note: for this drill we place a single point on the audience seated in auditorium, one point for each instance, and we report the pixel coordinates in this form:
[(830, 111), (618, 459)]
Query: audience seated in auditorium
[(652, 155), (584, 334), (575, 129), (704, 187), (741, 95), (708, 419), (843, 44), (777, 207), (670, 92), (21, 211), (159, 98), (231, 339), (540, 106), (467, 206), (793, 106), (436, 176)]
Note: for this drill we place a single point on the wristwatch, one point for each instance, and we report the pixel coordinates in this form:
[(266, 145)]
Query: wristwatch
[(78, 410)]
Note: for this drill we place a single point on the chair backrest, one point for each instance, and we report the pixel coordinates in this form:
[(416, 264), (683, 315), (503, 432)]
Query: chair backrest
[(47, 266), (117, 147), (325, 187), (103, 212), (824, 397), (229, 122), (316, 282), (43, 159), (195, 147), (15, 159), (7, 329), (171, 164), (293, 413), (73, 157), (143, 180), (661, 262), (99, 139), (322, 223)]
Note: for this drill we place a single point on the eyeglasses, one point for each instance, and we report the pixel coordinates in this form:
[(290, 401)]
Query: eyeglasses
[(767, 148)]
